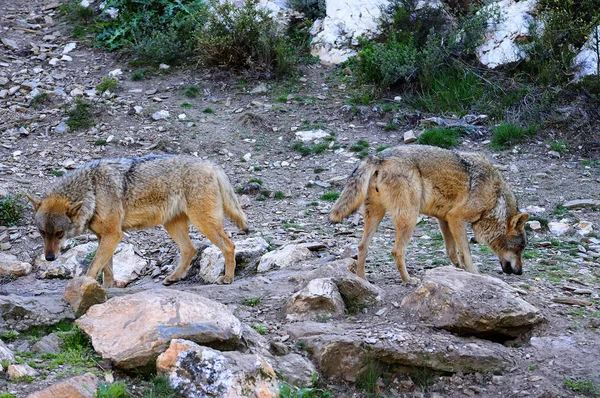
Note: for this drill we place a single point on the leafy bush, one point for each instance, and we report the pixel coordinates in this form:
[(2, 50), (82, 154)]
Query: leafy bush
[(12, 209), (312, 9), (245, 38), (80, 115), (441, 137), (154, 31), (107, 84), (564, 27)]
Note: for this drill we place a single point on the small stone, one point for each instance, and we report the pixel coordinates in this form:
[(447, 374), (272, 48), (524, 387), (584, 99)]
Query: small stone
[(66, 58), (261, 88), (115, 73), (83, 292), (69, 47), (160, 115), (534, 225), (409, 137), (163, 66), (311, 135), (62, 128), (397, 99), (558, 228), (23, 370), (581, 203), (10, 44)]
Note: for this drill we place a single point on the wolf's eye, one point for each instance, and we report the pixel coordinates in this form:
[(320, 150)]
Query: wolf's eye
[(60, 234)]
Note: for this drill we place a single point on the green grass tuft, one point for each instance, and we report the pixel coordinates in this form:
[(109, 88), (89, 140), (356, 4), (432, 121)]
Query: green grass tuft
[(330, 196), (107, 84), (12, 209), (441, 137)]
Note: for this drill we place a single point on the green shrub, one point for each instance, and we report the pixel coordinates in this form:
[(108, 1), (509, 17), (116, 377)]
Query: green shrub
[(12, 209), (441, 137), (80, 115), (507, 134), (244, 38), (107, 84), (114, 390), (39, 99), (160, 388), (330, 196), (312, 9), (139, 74), (586, 387)]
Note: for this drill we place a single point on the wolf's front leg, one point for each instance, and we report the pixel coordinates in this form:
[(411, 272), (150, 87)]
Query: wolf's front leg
[(106, 248)]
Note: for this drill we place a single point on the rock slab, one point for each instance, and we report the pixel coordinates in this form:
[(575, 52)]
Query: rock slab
[(470, 304), (83, 386), (133, 330)]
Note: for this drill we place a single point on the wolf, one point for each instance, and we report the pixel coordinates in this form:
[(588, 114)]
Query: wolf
[(455, 187), (110, 196)]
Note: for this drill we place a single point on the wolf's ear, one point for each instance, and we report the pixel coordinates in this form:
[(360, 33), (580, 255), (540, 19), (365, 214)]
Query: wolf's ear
[(517, 223), (73, 210), (36, 202)]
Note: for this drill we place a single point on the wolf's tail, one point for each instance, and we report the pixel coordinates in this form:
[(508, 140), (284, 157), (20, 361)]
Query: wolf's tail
[(231, 206), (355, 191)]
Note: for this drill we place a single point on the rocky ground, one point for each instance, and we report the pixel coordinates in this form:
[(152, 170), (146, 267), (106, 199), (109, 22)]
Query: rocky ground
[(249, 129)]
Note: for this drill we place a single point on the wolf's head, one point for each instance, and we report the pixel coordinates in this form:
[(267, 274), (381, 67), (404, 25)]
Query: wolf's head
[(55, 219), (509, 247)]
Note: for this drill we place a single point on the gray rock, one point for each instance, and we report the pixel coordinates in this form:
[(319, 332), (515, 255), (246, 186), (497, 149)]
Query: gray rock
[(247, 255), (320, 297), (296, 369), (10, 44), (409, 137), (5, 353), (160, 115), (581, 203), (470, 304), (49, 344), (261, 88), (11, 267), (21, 313), (62, 128), (23, 370), (284, 257), (133, 330)]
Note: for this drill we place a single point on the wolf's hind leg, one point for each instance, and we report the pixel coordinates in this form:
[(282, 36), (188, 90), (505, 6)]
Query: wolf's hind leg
[(178, 230), (374, 213)]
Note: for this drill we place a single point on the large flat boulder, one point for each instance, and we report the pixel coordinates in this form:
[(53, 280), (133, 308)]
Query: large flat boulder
[(342, 351), (133, 330), (198, 371), (21, 313), (470, 304)]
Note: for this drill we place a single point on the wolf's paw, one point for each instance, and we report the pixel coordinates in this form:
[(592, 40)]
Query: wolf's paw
[(224, 280), (169, 281), (352, 267), (411, 281)]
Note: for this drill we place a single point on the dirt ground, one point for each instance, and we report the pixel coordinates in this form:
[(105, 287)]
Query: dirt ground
[(224, 123)]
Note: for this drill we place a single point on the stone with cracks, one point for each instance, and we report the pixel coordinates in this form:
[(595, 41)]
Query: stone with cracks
[(10, 266), (83, 292), (84, 386), (470, 304), (21, 313), (49, 344), (284, 257), (311, 135), (133, 330), (247, 254), (5, 353), (197, 371), (501, 40), (127, 264), (339, 351), (354, 290), (22, 370), (296, 369), (320, 297)]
